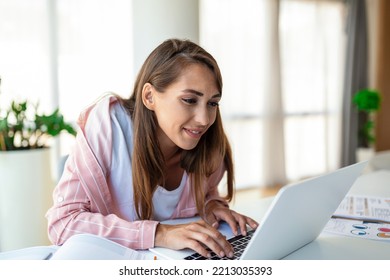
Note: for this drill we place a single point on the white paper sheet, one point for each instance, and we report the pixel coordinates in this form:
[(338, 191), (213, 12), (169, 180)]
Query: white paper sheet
[(360, 229), (365, 208)]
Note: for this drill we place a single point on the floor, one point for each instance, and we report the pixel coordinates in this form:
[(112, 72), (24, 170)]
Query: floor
[(245, 195)]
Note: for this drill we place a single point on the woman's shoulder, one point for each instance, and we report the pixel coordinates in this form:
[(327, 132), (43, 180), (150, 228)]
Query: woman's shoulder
[(101, 109), (117, 109), (108, 101)]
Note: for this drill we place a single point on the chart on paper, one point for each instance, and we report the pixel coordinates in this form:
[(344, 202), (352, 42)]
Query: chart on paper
[(365, 208), (361, 229)]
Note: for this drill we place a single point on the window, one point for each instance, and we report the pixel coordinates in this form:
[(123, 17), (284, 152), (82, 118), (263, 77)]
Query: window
[(69, 52), (94, 53), (65, 53), (311, 44), (25, 52), (312, 50)]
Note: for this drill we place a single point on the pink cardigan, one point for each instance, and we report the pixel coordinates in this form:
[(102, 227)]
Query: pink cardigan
[(82, 199)]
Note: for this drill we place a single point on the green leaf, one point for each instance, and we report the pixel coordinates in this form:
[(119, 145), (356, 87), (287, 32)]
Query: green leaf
[(22, 119), (367, 100)]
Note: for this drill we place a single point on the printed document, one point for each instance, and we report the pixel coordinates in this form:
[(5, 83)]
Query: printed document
[(365, 208), (362, 216), (360, 229)]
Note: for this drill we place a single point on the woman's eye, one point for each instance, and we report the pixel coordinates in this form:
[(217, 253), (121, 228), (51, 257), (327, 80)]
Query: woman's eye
[(189, 100), (214, 104)]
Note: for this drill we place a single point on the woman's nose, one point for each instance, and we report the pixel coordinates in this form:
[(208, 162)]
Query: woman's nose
[(202, 116)]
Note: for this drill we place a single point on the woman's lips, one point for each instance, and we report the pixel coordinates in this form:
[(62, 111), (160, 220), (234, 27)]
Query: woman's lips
[(194, 133)]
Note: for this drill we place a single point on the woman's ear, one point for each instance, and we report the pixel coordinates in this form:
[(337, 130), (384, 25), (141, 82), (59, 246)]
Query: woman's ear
[(147, 96)]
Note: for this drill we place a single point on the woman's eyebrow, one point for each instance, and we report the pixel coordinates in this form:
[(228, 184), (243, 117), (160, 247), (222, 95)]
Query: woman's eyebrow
[(199, 93)]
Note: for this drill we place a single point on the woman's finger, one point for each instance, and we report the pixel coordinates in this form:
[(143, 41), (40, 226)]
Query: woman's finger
[(226, 215), (212, 220), (211, 238), (197, 236), (242, 222), (235, 220)]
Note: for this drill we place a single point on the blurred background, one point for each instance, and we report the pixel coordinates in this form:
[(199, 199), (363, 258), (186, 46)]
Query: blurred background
[(290, 69)]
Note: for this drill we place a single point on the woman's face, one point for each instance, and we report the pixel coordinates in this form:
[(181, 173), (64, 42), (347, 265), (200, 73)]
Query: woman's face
[(186, 109)]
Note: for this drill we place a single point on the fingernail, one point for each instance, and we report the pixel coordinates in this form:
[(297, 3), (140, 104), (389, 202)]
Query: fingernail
[(231, 254), (215, 225), (221, 254), (209, 255)]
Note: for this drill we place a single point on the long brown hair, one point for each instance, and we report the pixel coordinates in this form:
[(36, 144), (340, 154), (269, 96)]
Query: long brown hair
[(162, 68)]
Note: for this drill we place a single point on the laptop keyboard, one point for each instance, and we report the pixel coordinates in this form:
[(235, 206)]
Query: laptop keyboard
[(238, 242)]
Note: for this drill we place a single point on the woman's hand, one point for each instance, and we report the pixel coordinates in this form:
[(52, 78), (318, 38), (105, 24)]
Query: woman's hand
[(195, 236), (217, 211)]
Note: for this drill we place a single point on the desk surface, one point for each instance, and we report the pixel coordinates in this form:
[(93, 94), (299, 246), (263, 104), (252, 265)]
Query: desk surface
[(328, 246)]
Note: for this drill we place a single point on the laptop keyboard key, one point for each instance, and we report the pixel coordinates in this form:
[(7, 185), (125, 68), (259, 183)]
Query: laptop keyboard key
[(238, 242)]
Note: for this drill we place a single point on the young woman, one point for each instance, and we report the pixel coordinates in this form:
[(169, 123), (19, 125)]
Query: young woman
[(158, 155)]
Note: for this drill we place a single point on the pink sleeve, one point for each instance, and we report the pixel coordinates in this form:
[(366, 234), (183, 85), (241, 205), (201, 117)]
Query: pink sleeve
[(82, 199)]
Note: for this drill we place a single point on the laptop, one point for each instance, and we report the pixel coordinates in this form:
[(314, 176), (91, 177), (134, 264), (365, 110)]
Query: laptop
[(296, 216)]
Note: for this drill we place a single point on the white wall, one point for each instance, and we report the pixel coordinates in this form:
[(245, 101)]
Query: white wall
[(157, 20)]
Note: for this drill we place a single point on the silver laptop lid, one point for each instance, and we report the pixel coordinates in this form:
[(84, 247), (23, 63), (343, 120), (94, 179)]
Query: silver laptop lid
[(299, 213)]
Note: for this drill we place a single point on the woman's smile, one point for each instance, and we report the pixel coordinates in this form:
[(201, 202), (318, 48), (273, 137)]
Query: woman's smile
[(194, 133)]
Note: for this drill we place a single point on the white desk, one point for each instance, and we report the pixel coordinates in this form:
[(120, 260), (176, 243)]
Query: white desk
[(328, 246)]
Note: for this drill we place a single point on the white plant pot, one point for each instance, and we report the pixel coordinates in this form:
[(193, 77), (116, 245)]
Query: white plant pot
[(25, 195), (364, 154)]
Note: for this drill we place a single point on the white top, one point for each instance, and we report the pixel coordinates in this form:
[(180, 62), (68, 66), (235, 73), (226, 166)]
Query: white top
[(164, 202)]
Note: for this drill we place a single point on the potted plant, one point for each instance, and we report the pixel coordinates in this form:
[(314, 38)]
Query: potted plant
[(25, 172), (22, 128), (367, 102)]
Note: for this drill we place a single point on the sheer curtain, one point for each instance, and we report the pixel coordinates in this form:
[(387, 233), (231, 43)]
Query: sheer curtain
[(239, 40), (95, 52), (313, 50), (282, 63), (24, 52), (356, 77)]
